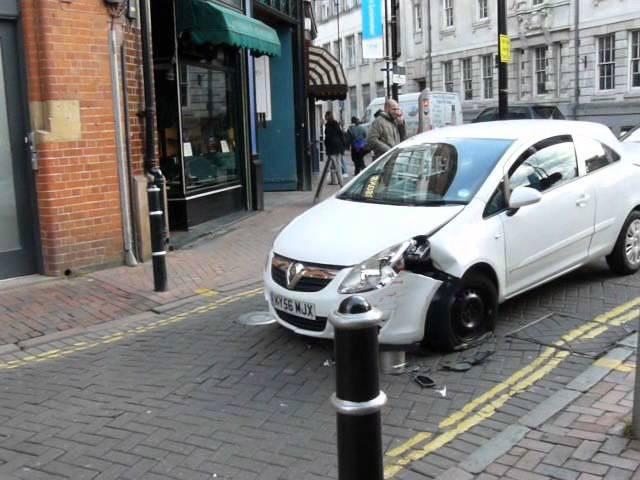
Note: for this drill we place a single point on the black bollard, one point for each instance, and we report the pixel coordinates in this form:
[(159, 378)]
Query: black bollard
[(358, 398), (158, 252)]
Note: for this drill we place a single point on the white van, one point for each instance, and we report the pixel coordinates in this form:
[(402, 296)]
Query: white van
[(422, 110), (438, 109), (409, 105)]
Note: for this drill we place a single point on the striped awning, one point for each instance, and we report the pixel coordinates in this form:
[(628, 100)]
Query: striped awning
[(326, 76)]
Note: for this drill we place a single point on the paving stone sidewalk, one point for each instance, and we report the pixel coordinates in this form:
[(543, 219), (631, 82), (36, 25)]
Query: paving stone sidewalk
[(229, 257), (587, 440)]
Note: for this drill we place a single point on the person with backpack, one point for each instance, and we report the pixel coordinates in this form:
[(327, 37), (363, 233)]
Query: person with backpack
[(357, 139)]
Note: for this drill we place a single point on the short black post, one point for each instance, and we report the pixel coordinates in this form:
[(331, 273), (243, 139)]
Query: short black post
[(158, 232), (358, 398)]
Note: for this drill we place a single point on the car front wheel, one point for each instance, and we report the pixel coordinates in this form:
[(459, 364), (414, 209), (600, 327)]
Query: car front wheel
[(625, 257), (462, 313)]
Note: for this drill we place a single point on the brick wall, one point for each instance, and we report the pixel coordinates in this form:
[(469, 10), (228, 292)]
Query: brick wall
[(67, 48)]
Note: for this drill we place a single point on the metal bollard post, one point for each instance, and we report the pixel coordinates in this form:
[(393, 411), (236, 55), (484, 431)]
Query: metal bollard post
[(358, 398), (156, 221)]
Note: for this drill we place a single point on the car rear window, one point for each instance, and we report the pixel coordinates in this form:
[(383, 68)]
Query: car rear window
[(544, 112)]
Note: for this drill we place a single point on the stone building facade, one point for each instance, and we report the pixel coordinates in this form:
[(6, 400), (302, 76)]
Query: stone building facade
[(458, 39)]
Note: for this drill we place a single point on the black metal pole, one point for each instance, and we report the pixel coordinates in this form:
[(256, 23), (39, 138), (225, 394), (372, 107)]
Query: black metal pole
[(156, 222), (155, 187), (429, 52), (387, 45), (503, 92), (395, 50), (358, 398)]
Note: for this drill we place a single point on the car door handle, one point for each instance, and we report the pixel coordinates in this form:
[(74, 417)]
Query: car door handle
[(583, 200)]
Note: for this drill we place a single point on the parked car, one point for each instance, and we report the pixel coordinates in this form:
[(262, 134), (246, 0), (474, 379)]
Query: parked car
[(444, 227), (632, 136), (518, 112)]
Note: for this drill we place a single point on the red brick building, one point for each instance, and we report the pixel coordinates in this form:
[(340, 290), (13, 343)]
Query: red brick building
[(72, 186)]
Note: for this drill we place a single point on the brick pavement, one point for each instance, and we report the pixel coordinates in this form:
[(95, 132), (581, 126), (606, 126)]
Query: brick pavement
[(38, 306), (589, 439)]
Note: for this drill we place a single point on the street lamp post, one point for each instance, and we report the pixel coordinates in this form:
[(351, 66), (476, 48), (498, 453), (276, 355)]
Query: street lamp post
[(503, 92), (395, 51)]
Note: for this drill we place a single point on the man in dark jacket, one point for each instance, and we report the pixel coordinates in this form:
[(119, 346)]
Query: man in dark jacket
[(334, 143), (383, 132)]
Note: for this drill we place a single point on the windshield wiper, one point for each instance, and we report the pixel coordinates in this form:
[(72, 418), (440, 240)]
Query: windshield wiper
[(430, 203)]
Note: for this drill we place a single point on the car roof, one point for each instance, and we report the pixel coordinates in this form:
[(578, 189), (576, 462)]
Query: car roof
[(514, 130)]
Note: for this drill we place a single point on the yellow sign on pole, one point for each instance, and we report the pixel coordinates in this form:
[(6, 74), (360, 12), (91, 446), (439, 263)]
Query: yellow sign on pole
[(505, 49)]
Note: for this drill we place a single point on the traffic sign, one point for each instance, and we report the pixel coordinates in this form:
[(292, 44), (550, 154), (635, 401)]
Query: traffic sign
[(505, 49)]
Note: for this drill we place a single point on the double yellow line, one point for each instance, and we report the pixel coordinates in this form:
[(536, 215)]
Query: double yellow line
[(117, 336), (485, 405)]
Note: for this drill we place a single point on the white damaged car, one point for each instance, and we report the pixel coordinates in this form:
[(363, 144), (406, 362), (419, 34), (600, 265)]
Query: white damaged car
[(446, 226)]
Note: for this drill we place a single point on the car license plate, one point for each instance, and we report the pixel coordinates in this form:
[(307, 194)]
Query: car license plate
[(294, 307)]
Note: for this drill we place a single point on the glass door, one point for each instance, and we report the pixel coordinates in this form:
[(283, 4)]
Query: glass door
[(17, 251)]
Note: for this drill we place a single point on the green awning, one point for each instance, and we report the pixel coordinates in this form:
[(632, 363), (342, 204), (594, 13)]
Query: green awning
[(208, 22)]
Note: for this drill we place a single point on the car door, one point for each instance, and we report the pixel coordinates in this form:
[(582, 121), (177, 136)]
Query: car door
[(552, 236), (608, 176)]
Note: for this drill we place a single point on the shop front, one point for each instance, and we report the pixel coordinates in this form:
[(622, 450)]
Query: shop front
[(202, 103)]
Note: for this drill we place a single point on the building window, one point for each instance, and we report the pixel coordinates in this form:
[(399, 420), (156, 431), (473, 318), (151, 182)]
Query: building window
[(353, 101), (380, 91), (606, 62), (447, 73), (351, 51), (366, 94), (363, 60), (487, 76), (467, 82), (448, 13), (635, 59), (537, 2), (337, 49), (541, 70), (483, 9), (417, 17), (422, 84), (211, 148)]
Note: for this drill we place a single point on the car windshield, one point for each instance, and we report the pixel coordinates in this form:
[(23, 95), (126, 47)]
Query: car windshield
[(446, 173)]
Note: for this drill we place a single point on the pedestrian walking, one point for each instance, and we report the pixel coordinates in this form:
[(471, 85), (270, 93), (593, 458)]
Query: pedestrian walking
[(334, 144), (357, 139), (384, 133)]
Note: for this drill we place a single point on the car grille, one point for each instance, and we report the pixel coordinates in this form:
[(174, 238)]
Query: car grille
[(313, 277), (317, 325)]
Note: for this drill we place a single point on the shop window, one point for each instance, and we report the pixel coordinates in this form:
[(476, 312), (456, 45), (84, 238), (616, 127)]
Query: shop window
[(209, 135)]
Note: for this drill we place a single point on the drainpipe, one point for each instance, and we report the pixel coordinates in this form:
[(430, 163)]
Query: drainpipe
[(255, 164), (121, 155), (576, 59)]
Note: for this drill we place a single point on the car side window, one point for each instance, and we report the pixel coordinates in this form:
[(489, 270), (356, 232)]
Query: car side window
[(597, 155), (545, 165)]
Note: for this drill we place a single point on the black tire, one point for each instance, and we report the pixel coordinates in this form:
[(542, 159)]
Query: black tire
[(619, 259), (462, 313)]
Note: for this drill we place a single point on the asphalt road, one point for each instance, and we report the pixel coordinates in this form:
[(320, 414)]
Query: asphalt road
[(195, 394)]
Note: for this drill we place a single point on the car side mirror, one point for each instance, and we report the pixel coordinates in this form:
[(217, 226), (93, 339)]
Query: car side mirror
[(523, 196)]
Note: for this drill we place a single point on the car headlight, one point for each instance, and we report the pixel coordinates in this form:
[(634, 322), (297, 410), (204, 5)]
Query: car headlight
[(375, 272)]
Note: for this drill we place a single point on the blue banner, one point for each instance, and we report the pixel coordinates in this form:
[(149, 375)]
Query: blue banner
[(371, 19), (372, 31)]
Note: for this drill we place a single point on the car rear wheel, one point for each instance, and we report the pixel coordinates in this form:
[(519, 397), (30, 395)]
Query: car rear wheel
[(461, 314), (625, 257)]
